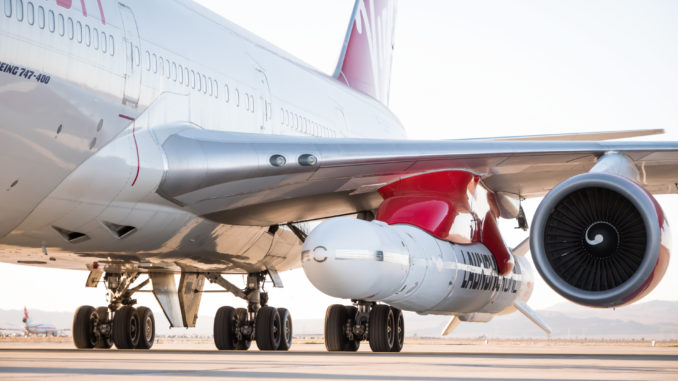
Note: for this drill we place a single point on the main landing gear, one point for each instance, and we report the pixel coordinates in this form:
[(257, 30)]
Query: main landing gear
[(236, 328), (347, 326), (119, 323)]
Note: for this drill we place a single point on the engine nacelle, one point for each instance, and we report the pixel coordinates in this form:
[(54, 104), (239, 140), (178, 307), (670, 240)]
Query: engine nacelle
[(600, 240), (409, 268)]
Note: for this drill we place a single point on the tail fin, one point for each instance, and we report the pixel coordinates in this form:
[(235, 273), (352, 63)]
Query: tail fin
[(26, 318), (365, 60)]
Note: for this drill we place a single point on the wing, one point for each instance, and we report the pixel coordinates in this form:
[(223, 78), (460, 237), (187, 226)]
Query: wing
[(252, 179), (580, 136)]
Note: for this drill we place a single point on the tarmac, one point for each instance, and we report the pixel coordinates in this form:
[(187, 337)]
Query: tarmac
[(422, 362)]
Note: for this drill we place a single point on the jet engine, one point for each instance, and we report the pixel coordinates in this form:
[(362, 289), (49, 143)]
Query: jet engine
[(600, 240)]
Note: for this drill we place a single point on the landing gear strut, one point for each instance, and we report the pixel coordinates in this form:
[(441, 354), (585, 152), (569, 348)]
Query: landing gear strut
[(347, 326), (235, 328), (129, 327)]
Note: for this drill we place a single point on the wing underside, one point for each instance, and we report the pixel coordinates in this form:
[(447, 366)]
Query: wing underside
[(237, 178)]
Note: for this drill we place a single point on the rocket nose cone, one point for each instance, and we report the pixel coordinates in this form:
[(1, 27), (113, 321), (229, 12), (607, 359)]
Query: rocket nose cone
[(344, 258)]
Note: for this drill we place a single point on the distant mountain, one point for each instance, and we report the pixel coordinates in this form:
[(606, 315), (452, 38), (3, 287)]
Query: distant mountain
[(655, 320)]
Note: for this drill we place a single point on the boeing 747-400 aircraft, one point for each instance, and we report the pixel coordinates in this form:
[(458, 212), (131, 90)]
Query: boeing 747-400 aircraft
[(144, 139)]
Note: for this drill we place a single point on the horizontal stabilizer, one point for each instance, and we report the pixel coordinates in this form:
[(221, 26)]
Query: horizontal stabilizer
[(522, 248), (530, 314), (580, 136), (454, 323)]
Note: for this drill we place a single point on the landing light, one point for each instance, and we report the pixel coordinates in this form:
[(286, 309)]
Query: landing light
[(308, 160), (277, 160)]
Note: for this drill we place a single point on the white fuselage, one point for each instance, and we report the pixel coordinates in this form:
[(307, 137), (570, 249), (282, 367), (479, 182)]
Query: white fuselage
[(84, 103)]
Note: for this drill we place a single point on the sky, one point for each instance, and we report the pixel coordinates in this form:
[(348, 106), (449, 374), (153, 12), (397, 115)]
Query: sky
[(461, 69)]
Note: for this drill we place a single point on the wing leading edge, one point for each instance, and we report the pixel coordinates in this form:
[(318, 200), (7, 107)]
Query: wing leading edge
[(238, 178)]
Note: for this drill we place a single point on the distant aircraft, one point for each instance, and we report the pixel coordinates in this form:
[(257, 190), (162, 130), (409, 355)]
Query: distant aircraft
[(144, 139), (37, 328), (31, 328)]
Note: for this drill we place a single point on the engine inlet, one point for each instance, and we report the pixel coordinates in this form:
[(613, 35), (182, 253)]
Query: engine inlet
[(595, 239)]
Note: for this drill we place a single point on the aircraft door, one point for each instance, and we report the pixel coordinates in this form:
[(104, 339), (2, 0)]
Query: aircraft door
[(133, 57), (265, 113)]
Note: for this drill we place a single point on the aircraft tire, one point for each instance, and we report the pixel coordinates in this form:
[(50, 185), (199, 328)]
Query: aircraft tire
[(335, 338), (126, 328), (224, 323), (268, 329), (382, 328), (241, 318), (147, 325), (103, 342), (83, 327), (286, 334), (399, 327)]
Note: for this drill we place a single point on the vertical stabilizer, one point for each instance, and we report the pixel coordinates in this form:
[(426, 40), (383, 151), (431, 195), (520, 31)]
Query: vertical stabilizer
[(26, 319), (365, 60)]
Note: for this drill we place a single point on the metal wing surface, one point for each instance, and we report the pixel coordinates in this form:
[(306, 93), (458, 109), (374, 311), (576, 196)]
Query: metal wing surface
[(233, 177)]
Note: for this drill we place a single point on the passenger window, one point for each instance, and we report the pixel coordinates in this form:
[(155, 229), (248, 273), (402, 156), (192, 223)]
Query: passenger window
[(8, 8), (252, 108), (209, 85), (137, 56), (203, 80), (216, 89), (88, 35), (61, 25), (227, 93), (50, 21), (95, 39), (70, 29), (41, 17), (161, 65), (237, 98), (174, 71), (155, 63), (186, 78), (111, 44), (181, 74), (30, 16), (167, 68), (104, 42), (79, 31), (20, 10), (198, 82), (191, 79)]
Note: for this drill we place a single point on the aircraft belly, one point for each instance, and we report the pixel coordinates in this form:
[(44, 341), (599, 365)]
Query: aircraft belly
[(110, 203), (194, 245)]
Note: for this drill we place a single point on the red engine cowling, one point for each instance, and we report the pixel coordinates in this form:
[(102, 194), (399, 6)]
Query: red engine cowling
[(600, 240)]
